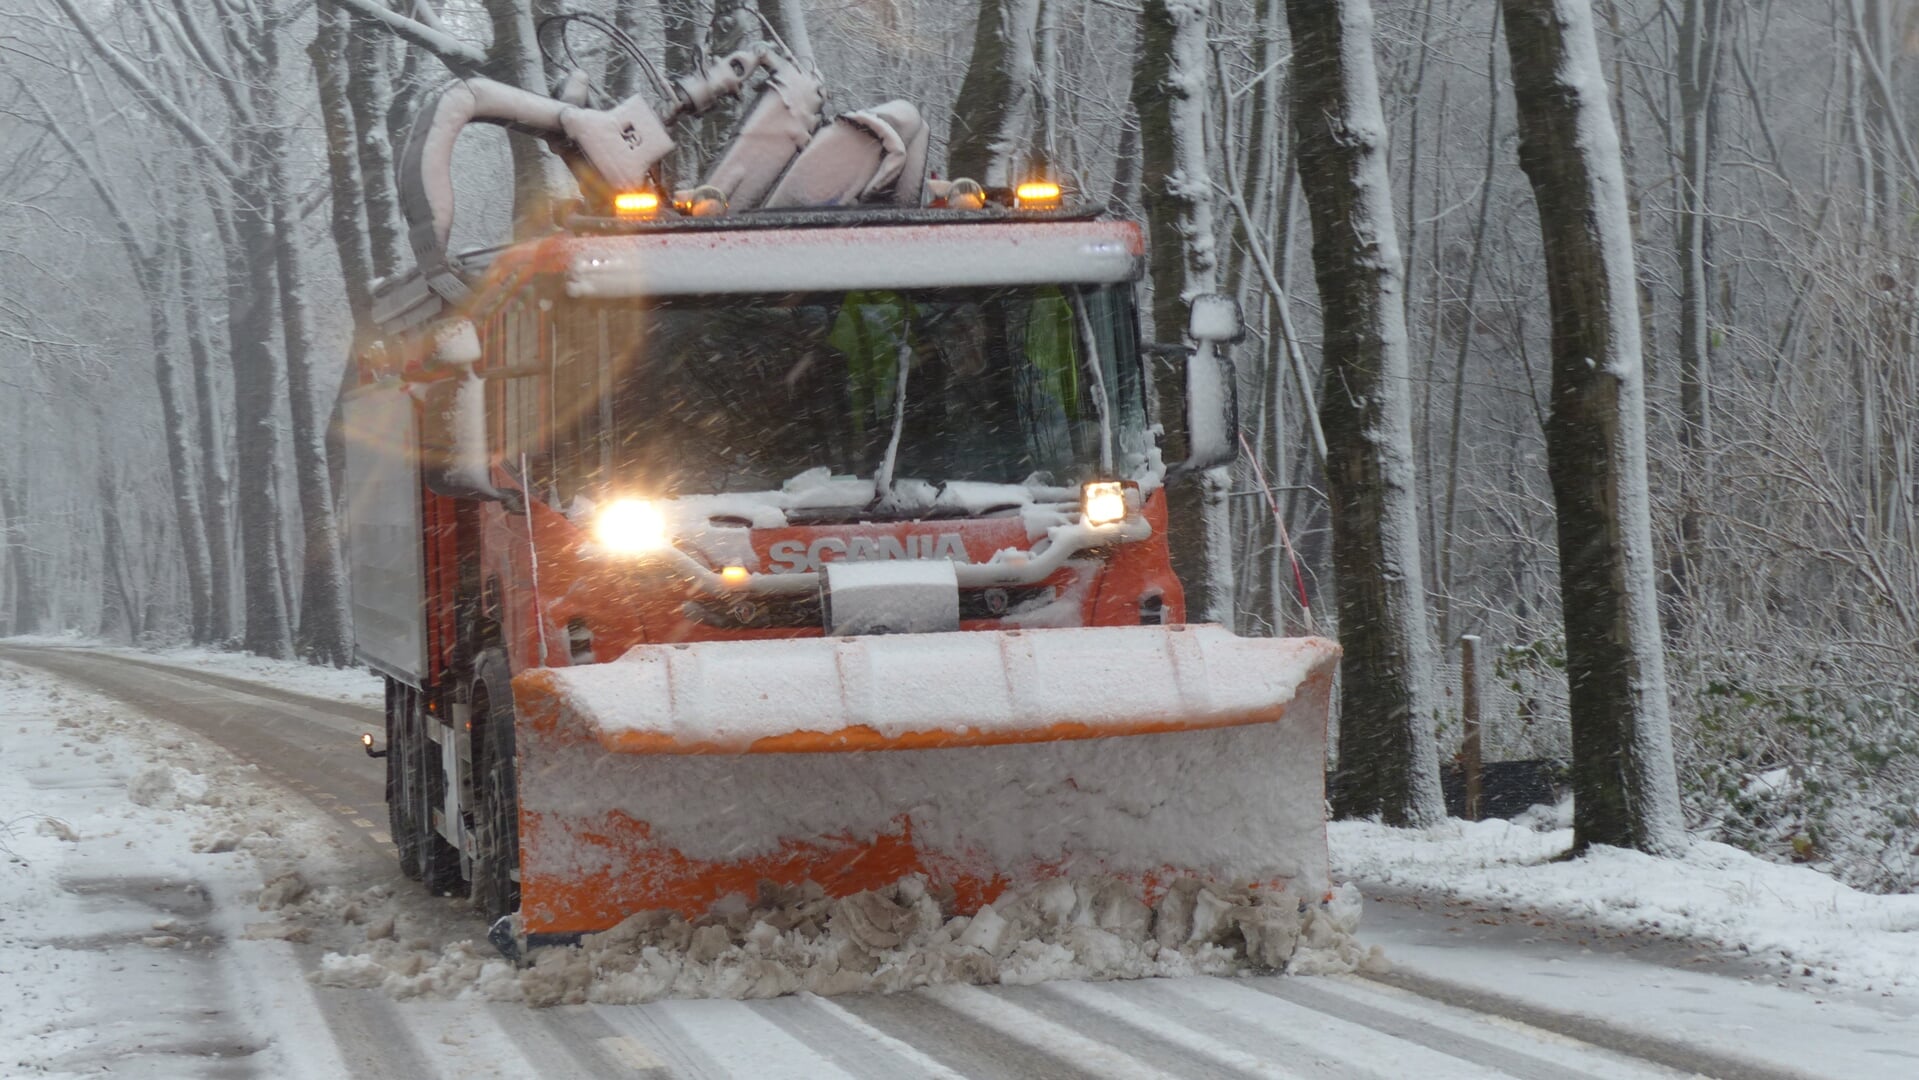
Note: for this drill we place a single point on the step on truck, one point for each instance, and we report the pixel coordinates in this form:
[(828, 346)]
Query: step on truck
[(802, 521)]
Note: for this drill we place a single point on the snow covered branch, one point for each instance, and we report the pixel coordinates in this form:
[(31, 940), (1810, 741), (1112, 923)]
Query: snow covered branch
[(460, 57)]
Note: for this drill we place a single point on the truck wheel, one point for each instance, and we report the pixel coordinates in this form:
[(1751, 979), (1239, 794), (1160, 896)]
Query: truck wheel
[(401, 822), (495, 892)]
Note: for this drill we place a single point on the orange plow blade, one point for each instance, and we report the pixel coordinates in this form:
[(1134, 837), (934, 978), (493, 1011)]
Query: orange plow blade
[(680, 775)]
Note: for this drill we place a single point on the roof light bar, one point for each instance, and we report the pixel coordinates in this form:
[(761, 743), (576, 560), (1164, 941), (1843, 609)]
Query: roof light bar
[(1037, 195)]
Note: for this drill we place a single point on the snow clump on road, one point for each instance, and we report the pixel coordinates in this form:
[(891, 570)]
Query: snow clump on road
[(897, 938)]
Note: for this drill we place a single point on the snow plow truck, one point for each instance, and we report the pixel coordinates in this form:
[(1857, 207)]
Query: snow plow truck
[(804, 523)]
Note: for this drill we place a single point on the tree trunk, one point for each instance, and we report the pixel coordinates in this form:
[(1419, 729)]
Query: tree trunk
[(325, 627), (257, 391), (514, 59), (1388, 765), (216, 492), (788, 19), (1625, 791), (992, 114), (327, 52), (1170, 76), (27, 614), (1698, 62), (370, 97), (118, 606), (177, 430)]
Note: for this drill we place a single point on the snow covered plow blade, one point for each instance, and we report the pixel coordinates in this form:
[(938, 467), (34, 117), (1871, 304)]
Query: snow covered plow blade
[(681, 775)]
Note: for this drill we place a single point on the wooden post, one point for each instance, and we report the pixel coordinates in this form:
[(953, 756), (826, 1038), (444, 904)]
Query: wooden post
[(1469, 751)]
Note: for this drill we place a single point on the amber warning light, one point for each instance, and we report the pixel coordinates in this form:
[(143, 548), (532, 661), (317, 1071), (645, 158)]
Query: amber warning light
[(1037, 195), (636, 203)]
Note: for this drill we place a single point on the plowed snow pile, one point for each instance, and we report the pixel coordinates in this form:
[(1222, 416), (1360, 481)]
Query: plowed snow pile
[(891, 939)]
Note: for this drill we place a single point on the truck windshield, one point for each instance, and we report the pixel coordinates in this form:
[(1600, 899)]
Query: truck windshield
[(1038, 385)]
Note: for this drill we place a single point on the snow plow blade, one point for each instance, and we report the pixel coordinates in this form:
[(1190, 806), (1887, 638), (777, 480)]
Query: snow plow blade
[(679, 775)]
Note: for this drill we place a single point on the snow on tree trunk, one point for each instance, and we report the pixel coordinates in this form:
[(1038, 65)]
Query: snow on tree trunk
[(788, 18), (257, 392), (1625, 791), (1388, 765), (370, 96), (514, 59), (993, 113), (178, 432), (216, 493), (327, 52), (1171, 79), (325, 627), (26, 614)]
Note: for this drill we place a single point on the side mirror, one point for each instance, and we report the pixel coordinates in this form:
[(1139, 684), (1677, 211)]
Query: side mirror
[(1212, 391), (454, 457)]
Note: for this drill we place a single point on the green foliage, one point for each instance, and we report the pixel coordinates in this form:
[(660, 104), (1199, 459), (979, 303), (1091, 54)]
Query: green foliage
[(1822, 770)]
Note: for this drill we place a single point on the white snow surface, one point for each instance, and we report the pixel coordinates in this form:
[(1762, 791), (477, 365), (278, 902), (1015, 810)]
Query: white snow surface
[(733, 693), (351, 685), (1792, 918), (888, 940), (136, 936)]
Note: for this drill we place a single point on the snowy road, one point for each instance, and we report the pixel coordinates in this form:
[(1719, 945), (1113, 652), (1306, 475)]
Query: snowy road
[(127, 991)]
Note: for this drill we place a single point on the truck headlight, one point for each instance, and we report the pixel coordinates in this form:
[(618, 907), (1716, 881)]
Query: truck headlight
[(629, 527), (1103, 502)]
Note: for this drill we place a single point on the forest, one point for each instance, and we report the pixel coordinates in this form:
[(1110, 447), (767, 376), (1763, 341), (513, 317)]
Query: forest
[(197, 204)]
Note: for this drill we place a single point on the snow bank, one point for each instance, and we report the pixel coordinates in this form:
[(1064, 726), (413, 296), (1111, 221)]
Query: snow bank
[(1791, 917), (887, 940)]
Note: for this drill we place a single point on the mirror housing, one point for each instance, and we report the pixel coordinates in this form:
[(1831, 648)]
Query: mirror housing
[(455, 459), (1212, 390)]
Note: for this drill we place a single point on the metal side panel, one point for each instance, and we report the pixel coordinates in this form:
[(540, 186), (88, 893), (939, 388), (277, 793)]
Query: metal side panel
[(385, 545)]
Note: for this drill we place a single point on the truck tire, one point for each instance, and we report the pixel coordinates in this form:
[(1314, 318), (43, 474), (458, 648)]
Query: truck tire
[(401, 820), (495, 892)]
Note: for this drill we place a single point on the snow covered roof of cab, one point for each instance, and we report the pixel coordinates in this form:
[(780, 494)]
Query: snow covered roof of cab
[(852, 256)]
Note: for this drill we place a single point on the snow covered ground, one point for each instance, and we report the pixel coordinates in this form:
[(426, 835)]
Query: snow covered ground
[(165, 909), (1793, 919), (135, 932), (353, 686)]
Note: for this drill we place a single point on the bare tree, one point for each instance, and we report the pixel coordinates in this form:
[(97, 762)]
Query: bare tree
[(1387, 760), (1625, 790), (1171, 73), (993, 115)]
